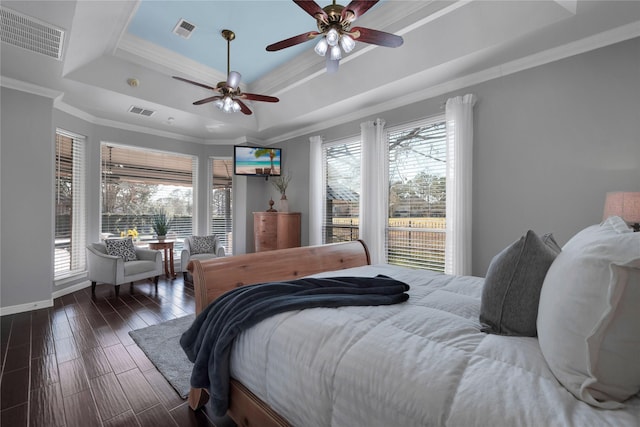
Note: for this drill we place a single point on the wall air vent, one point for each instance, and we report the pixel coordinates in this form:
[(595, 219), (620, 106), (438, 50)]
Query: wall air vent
[(141, 111), (184, 29), (29, 33)]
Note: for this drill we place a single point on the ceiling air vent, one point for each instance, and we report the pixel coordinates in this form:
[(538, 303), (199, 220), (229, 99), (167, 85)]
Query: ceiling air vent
[(28, 33), (141, 111), (184, 29)]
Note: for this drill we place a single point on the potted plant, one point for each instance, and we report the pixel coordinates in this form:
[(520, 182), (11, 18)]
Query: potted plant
[(161, 224), (281, 183)]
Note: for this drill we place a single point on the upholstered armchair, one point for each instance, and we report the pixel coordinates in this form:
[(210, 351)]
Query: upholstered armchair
[(199, 247), (114, 270)]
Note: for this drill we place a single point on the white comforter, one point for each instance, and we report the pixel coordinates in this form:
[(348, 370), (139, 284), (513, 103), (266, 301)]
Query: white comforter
[(424, 362)]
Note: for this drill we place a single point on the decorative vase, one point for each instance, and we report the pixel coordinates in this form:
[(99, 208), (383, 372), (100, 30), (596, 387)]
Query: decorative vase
[(161, 238), (284, 204)]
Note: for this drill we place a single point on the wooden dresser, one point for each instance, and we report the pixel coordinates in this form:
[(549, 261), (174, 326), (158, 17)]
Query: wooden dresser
[(276, 230)]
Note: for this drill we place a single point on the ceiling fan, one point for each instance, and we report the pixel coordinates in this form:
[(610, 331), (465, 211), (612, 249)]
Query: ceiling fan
[(230, 96), (335, 31)]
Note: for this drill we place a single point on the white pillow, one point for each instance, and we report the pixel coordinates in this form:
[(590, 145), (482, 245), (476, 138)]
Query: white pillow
[(589, 315)]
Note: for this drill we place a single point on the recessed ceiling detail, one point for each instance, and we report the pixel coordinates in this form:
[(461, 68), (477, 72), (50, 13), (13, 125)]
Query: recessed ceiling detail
[(141, 111), (29, 33), (184, 29)]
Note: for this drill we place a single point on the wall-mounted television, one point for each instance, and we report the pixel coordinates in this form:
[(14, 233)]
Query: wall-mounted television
[(257, 161)]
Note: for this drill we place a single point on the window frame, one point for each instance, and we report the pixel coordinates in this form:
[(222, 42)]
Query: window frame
[(354, 221), (434, 259), (79, 214), (179, 235), (227, 240)]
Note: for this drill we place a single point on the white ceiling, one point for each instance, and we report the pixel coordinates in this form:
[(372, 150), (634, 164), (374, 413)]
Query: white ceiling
[(447, 45)]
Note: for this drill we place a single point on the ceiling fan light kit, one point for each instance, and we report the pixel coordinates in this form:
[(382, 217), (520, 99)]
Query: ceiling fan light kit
[(230, 96), (335, 32), (234, 79), (347, 43), (228, 105)]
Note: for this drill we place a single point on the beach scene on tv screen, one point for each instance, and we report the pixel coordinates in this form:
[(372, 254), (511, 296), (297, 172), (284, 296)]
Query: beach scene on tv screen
[(261, 161)]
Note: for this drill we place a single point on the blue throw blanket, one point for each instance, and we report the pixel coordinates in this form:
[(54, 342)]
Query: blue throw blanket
[(207, 342)]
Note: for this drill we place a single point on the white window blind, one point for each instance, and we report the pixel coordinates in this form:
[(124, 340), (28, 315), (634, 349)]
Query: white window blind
[(417, 194), (137, 182), (70, 214), (221, 203), (341, 164)]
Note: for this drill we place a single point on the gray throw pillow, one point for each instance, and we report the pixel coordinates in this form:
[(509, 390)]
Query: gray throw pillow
[(512, 287), (121, 247), (203, 244)]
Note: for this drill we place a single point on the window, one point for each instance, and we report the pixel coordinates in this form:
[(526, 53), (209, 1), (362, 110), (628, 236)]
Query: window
[(220, 207), (413, 225), (341, 164), (136, 183), (417, 195), (70, 214)]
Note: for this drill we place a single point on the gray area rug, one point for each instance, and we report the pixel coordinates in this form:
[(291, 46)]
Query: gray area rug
[(161, 344)]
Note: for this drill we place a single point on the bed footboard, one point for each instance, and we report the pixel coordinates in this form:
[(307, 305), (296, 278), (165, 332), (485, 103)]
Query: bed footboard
[(212, 278)]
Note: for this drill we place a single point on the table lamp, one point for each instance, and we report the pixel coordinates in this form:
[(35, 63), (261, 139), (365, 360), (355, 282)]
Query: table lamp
[(624, 204)]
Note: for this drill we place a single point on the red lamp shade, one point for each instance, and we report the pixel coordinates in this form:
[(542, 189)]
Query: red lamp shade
[(625, 205)]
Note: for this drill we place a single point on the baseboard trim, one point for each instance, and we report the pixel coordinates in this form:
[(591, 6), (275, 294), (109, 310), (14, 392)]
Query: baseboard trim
[(21, 308), (35, 305), (71, 289)]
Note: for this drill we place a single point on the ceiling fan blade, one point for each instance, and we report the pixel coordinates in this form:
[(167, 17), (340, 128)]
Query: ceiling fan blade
[(256, 97), (357, 8), (206, 100), (377, 37), (194, 83), (243, 107), (312, 8), (332, 65), (301, 38)]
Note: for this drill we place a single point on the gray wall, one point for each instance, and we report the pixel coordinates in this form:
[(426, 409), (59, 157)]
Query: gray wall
[(295, 162), (26, 198), (549, 143)]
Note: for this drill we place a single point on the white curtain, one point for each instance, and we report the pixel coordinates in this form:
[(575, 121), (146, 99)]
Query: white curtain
[(459, 118), (315, 191), (374, 189)]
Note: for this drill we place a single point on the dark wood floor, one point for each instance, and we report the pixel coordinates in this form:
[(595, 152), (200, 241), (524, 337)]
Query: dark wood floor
[(74, 364)]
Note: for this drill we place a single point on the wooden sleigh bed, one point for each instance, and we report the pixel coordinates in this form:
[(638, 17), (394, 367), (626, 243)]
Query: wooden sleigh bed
[(426, 361), (214, 277)]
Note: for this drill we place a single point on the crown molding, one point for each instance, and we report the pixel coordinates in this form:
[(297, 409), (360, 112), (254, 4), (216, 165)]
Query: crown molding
[(142, 52), (577, 47), (596, 41), (147, 130), (22, 86), (73, 111), (62, 106), (587, 44), (616, 35), (127, 17)]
